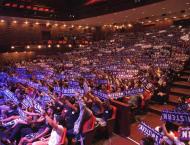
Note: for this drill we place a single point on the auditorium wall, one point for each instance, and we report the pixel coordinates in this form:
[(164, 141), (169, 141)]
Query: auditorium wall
[(20, 30)]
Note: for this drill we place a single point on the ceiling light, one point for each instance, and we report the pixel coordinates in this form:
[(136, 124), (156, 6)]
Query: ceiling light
[(130, 25), (26, 22), (47, 24), (49, 46), (27, 47), (14, 22), (170, 12), (12, 47), (2, 21), (37, 23), (39, 46), (56, 25), (58, 45)]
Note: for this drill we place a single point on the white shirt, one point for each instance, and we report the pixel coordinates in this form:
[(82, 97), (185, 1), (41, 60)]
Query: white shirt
[(55, 138)]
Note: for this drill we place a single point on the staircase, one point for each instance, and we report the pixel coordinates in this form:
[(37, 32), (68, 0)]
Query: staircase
[(180, 87)]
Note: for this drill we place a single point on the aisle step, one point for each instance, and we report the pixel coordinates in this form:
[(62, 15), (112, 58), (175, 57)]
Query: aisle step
[(181, 84), (151, 119), (173, 99), (179, 91), (185, 72), (183, 78), (157, 108)]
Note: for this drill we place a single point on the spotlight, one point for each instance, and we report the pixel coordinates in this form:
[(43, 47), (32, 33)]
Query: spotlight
[(37, 23), (14, 21), (49, 46), (58, 46)]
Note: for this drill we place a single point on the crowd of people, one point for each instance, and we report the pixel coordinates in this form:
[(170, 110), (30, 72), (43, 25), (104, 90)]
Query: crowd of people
[(49, 99)]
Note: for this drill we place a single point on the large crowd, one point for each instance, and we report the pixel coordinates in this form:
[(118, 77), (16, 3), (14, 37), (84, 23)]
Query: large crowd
[(55, 99)]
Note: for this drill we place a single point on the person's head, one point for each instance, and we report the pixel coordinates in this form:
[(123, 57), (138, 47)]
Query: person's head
[(164, 143), (106, 104), (50, 111), (147, 141), (72, 100), (30, 109), (171, 127), (59, 120), (164, 83)]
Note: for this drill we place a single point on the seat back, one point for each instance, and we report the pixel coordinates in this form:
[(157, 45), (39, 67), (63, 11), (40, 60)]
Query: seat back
[(111, 122), (88, 124), (114, 112), (64, 138)]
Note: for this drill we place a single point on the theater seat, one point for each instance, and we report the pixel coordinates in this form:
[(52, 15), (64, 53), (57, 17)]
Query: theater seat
[(88, 130), (111, 122), (64, 140)]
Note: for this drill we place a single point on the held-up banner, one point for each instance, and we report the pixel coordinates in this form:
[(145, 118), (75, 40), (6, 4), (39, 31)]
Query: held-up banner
[(185, 134), (183, 107), (8, 95), (173, 116), (117, 95), (148, 131)]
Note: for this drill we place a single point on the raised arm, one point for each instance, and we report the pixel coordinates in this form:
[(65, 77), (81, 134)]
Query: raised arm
[(41, 134), (32, 113), (53, 124), (167, 133)]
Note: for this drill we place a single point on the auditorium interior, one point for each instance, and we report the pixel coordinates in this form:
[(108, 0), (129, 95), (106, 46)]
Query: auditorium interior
[(94, 72)]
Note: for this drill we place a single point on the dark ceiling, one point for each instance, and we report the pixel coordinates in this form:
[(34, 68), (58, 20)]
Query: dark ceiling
[(67, 10)]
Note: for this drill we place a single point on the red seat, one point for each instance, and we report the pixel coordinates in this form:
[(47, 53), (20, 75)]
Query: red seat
[(114, 113), (64, 138), (111, 122), (89, 124), (88, 130)]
